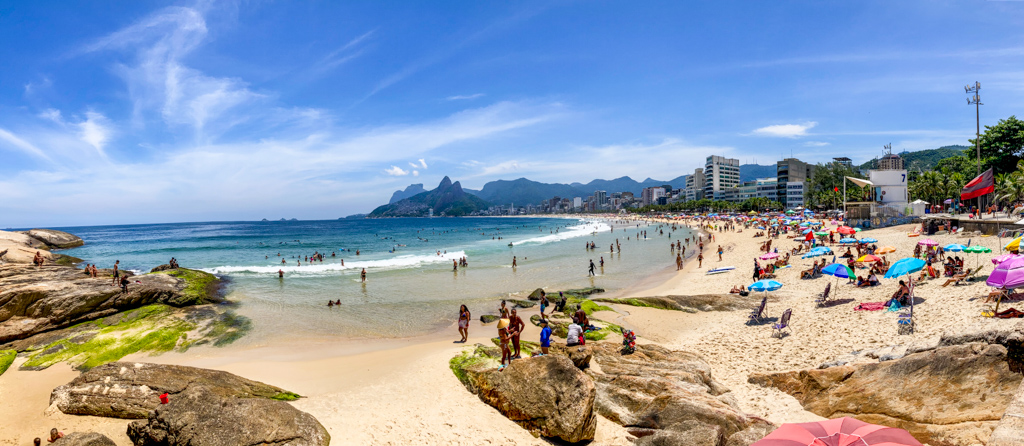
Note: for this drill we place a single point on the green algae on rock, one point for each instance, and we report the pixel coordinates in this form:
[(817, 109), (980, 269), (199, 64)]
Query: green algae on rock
[(6, 359)]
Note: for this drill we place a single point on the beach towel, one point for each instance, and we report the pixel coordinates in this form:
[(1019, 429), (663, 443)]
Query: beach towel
[(870, 306)]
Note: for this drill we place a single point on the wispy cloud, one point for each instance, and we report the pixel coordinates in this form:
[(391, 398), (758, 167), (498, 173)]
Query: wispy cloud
[(340, 56), (465, 97), (785, 130), (14, 141), (816, 144), (95, 131)]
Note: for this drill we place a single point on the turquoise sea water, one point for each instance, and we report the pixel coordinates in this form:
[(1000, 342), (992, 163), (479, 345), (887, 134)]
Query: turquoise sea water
[(411, 287)]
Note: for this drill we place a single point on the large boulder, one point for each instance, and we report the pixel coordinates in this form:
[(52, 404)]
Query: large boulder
[(55, 239), (132, 390), (19, 248), (580, 355), (535, 295), (203, 417), (1010, 430), (35, 300), (84, 439), (669, 397), (546, 395), (951, 395)]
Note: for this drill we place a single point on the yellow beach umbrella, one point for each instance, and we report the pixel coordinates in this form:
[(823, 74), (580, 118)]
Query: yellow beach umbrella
[(1013, 245), (885, 250)]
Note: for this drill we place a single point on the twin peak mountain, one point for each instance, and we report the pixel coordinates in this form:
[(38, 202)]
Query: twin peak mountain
[(447, 200)]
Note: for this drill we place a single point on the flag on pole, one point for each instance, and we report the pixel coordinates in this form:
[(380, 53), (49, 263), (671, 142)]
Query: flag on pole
[(980, 185)]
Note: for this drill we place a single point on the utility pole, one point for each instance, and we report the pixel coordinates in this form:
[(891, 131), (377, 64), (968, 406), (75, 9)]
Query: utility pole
[(976, 101)]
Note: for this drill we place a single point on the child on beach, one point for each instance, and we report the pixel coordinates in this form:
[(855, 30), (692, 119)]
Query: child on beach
[(545, 336)]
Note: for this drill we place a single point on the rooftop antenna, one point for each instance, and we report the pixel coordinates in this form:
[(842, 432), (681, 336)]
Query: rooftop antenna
[(888, 149)]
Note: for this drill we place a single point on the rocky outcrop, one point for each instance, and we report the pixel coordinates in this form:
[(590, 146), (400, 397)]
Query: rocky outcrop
[(164, 267), (132, 390), (200, 417), (546, 395), (522, 303), (1010, 430), (950, 395), (535, 295), (488, 318), (669, 397), (84, 439), (580, 355), (35, 300), (55, 239), (691, 304)]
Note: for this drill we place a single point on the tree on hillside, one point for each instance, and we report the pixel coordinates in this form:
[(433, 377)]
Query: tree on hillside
[(822, 187), (1002, 145)]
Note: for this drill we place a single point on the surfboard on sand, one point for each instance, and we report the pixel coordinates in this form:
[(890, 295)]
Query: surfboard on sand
[(723, 269)]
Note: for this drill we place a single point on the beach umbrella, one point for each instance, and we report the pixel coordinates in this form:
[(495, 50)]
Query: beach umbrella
[(1014, 245), (839, 270), (1009, 274), (976, 250), (844, 431), (769, 256), (790, 212), (848, 240), (902, 267), (868, 258), (765, 285), (1000, 259), (954, 247), (885, 250), (856, 229), (807, 231), (868, 240), (821, 233), (928, 242), (846, 230)]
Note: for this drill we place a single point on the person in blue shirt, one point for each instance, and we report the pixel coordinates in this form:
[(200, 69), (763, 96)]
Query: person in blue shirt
[(545, 336)]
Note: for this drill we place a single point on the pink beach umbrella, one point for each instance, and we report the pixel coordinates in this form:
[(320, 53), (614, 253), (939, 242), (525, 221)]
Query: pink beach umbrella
[(1008, 275), (928, 242), (1000, 259), (838, 432), (770, 255)]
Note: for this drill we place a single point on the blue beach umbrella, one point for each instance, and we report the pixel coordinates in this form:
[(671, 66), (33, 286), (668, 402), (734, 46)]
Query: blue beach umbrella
[(903, 267), (765, 285), (954, 247), (808, 231), (848, 240), (868, 240)]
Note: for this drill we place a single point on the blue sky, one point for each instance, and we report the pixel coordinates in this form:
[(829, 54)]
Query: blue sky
[(130, 112)]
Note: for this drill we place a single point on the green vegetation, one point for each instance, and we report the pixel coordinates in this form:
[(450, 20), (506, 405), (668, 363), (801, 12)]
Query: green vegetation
[(286, 396), (199, 285), (525, 347), (922, 160), (65, 260), (154, 328), (640, 302), (467, 359), (1002, 146), (6, 359)]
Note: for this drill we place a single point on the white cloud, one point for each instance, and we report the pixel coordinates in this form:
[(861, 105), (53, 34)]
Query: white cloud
[(94, 131), (465, 97), (423, 163), (396, 171), (20, 144), (415, 173), (340, 56), (816, 144), (785, 130)]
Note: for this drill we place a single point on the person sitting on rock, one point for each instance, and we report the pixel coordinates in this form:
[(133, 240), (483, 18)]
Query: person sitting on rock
[(55, 435), (575, 335), (37, 260), (124, 284)]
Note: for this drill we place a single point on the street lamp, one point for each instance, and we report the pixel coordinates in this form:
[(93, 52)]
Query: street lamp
[(976, 101)]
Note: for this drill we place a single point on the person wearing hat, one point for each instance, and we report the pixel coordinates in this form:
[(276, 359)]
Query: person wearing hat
[(545, 336), (503, 338)]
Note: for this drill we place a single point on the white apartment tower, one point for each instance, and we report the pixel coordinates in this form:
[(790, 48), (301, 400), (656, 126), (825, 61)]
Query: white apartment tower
[(720, 174)]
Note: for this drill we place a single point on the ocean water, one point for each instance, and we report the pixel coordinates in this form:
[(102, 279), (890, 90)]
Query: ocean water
[(411, 288)]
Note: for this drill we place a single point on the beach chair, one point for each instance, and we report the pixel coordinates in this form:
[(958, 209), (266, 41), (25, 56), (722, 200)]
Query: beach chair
[(758, 314), (971, 275), (783, 324), (823, 297)]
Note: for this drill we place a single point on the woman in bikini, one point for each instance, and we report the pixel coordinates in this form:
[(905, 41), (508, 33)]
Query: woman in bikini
[(463, 323)]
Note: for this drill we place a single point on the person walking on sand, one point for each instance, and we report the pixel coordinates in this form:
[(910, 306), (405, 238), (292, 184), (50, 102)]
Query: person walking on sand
[(117, 274), (720, 253), (464, 323), (517, 325), (592, 267), (513, 262), (679, 262), (362, 275), (700, 260)]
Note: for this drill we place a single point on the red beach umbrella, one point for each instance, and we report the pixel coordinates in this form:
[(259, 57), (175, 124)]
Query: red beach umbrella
[(838, 432), (846, 230)]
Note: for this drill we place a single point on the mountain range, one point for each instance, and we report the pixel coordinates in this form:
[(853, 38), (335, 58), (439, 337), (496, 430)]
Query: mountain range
[(400, 195), (448, 199)]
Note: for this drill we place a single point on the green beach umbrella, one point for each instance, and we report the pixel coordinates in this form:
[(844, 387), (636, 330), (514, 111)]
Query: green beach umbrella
[(821, 233), (977, 249)]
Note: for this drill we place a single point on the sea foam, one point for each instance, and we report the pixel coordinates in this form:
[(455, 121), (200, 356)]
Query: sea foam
[(334, 265), (587, 228)]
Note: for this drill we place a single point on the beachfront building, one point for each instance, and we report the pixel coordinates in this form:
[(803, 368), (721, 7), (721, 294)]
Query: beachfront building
[(761, 187), (720, 175), (650, 195), (844, 161), (601, 197), (791, 181), (577, 203), (890, 162), (694, 189), (888, 203)]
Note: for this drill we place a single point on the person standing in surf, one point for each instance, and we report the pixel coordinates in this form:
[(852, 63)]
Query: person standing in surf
[(363, 275), (592, 267)]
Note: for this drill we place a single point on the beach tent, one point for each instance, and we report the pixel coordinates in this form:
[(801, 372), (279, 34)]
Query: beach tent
[(844, 431)]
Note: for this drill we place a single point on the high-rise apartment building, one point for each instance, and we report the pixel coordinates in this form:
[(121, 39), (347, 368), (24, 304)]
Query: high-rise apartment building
[(792, 177), (694, 189), (720, 174)]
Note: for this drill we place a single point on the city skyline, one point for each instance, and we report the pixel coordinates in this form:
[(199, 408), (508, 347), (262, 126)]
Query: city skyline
[(233, 111)]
